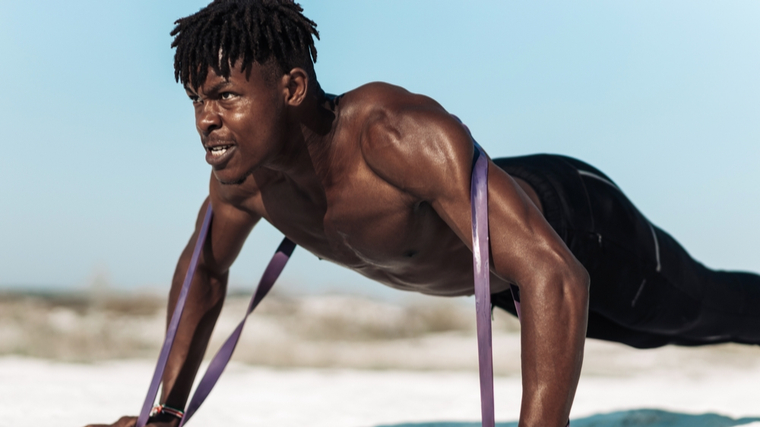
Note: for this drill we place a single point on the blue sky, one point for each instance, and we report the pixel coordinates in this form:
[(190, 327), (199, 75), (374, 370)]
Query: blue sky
[(102, 170)]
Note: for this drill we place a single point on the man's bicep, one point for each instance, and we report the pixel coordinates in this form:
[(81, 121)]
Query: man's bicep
[(523, 245)]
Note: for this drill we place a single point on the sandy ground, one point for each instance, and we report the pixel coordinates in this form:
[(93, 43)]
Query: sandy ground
[(36, 392), (342, 361)]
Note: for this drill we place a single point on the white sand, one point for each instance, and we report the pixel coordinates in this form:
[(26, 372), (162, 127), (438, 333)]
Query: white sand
[(35, 392), (335, 361)]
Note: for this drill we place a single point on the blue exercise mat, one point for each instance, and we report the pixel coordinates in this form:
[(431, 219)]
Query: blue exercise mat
[(635, 418)]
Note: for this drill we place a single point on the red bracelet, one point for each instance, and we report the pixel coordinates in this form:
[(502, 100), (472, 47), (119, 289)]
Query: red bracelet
[(163, 409)]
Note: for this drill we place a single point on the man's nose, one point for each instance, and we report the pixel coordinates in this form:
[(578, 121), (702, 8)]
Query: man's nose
[(208, 119)]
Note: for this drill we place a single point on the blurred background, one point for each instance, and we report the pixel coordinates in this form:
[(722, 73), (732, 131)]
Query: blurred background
[(102, 172)]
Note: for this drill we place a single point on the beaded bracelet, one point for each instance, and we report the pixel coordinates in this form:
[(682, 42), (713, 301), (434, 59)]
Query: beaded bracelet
[(163, 409)]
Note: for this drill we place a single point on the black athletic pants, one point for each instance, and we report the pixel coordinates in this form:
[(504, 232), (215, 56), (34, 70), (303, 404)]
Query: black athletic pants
[(646, 291)]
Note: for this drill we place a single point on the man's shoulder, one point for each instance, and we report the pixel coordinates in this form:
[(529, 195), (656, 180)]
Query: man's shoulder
[(377, 99), (377, 93), (385, 115), (403, 134)]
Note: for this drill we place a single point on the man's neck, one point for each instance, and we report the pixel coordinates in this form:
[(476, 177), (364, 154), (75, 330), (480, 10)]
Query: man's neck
[(305, 154)]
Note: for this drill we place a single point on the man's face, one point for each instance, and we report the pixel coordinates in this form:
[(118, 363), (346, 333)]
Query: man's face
[(240, 121)]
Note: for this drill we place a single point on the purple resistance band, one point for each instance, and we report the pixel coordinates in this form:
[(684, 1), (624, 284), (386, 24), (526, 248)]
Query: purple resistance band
[(481, 268), (222, 357), (480, 259), (171, 330)]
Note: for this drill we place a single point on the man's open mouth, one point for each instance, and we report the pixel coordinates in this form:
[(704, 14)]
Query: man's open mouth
[(218, 155), (219, 150)]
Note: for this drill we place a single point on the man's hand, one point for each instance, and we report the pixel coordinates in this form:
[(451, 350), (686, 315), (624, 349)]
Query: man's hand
[(228, 232), (123, 422), (131, 421)]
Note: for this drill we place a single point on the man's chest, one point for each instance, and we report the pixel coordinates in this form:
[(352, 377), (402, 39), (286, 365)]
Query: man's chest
[(359, 222)]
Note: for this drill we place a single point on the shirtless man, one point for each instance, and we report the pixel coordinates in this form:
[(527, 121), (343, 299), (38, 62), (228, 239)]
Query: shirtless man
[(377, 180)]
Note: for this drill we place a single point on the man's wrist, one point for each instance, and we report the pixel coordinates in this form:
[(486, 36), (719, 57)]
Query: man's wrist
[(163, 420), (164, 415)]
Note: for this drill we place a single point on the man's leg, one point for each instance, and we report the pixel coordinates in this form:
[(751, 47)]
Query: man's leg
[(729, 300), (651, 284), (646, 291)]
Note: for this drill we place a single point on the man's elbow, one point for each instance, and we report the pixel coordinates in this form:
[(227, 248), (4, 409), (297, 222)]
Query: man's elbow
[(578, 278), (211, 283), (566, 282), (574, 286)]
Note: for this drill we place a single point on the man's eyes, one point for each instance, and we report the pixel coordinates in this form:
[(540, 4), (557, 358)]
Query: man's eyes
[(223, 96)]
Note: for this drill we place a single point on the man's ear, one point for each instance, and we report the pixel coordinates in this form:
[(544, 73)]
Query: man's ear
[(296, 84)]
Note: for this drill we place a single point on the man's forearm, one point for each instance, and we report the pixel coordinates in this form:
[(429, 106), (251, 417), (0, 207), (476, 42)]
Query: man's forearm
[(553, 335), (204, 303)]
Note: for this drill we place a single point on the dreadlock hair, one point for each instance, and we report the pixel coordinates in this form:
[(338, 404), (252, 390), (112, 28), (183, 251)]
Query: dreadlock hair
[(227, 31)]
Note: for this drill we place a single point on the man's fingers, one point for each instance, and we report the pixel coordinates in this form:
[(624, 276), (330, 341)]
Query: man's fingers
[(126, 422), (123, 422)]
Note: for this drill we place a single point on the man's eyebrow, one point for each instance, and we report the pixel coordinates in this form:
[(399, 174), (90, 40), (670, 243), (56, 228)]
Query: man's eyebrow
[(218, 87), (212, 90)]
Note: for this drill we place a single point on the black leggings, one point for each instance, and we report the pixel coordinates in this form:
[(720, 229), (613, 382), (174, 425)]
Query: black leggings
[(646, 291)]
